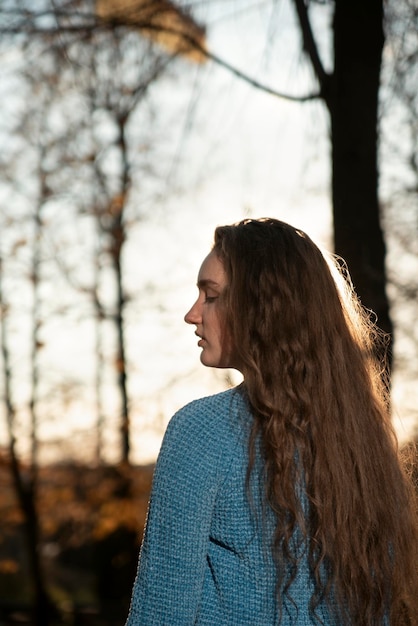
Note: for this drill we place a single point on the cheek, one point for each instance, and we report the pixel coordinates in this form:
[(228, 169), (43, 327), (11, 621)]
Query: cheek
[(218, 324), (224, 333)]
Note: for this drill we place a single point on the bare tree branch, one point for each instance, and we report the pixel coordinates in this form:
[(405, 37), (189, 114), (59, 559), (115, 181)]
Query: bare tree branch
[(152, 29), (311, 48)]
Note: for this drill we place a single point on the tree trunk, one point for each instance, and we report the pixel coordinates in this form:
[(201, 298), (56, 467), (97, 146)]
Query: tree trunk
[(353, 107), (43, 610), (118, 235), (25, 489)]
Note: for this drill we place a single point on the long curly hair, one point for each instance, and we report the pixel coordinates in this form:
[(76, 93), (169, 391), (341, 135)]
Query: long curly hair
[(306, 349)]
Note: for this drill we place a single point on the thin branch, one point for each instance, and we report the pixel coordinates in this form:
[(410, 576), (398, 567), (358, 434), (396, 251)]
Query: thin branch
[(311, 49), (255, 83), (189, 44)]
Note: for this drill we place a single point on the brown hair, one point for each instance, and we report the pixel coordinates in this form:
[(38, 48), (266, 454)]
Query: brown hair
[(306, 351)]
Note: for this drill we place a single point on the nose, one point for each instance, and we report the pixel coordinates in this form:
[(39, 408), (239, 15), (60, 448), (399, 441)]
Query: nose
[(194, 316)]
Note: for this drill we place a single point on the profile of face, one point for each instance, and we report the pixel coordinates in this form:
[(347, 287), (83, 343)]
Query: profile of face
[(207, 314)]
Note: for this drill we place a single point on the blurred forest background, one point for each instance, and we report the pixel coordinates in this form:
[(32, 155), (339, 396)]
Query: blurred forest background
[(129, 129)]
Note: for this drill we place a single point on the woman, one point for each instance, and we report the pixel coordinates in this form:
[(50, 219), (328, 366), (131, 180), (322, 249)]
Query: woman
[(282, 501)]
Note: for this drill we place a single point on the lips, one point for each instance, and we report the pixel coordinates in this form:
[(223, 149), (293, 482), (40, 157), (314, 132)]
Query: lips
[(201, 340)]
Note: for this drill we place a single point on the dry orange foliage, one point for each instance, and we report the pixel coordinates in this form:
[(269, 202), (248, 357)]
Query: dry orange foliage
[(78, 503)]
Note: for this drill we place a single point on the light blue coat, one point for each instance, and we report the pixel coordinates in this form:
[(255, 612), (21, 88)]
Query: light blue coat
[(205, 558)]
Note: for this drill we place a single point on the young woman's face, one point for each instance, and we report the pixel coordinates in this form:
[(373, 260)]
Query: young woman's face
[(208, 316)]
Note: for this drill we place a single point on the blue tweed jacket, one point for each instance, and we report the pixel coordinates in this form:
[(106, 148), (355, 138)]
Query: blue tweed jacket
[(205, 559)]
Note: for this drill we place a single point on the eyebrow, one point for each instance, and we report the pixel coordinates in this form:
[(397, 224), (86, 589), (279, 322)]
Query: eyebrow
[(206, 282)]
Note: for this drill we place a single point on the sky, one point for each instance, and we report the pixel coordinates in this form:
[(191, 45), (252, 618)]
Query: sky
[(234, 152)]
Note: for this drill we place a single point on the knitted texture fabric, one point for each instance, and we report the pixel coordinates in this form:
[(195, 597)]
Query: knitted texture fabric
[(206, 558)]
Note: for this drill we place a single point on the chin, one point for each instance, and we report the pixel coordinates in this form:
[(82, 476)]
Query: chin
[(206, 360), (220, 364)]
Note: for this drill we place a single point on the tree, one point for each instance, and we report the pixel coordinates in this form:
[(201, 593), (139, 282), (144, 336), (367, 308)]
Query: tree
[(25, 231), (25, 487), (108, 43), (118, 95), (57, 145), (351, 95)]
